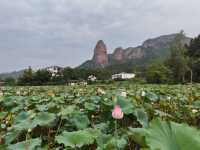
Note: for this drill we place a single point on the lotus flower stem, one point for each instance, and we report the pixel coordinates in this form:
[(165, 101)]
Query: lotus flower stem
[(116, 133), (137, 147), (59, 126)]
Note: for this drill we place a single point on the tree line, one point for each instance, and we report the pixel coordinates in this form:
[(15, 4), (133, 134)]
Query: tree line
[(44, 77), (182, 66)]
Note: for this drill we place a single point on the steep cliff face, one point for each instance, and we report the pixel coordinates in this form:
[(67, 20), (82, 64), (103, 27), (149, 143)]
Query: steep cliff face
[(122, 55), (118, 54), (150, 49), (134, 53), (159, 42), (100, 58)]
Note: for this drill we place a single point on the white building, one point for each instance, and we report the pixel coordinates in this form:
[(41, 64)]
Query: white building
[(92, 78), (54, 70), (123, 76), (2, 83), (83, 83)]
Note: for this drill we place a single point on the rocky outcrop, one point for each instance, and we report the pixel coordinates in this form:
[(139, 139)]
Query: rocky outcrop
[(150, 49), (118, 54), (100, 58), (134, 53), (163, 41), (159, 42), (122, 55)]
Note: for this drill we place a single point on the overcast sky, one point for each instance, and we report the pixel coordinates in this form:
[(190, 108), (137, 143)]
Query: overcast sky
[(42, 33)]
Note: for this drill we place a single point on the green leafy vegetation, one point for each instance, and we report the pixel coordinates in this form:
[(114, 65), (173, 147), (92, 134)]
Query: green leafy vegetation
[(158, 73), (164, 117)]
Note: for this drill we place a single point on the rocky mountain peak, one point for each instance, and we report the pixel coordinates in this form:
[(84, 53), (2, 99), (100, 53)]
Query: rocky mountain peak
[(118, 54), (162, 41), (153, 48), (100, 57)]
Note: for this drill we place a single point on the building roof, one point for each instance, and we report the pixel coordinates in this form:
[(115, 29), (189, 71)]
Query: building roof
[(123, 73)]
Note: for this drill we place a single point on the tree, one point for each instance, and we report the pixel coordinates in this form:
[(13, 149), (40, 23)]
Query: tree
[(178, 62), (194, 48), (42, 77), (157, 72), (27, 77), (82, 74), (102, 74), (57, 80), (193, 53), (9, 81), (68, 74)]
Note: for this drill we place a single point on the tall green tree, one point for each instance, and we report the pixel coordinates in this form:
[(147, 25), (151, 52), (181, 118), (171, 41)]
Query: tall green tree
[(42, 77), (194, 48), (27, 77), (193, 53), (9, 81), (69, 74), (157, 72), (177, 61)]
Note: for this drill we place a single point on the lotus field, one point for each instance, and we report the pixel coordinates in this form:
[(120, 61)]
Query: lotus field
[(100, 117)]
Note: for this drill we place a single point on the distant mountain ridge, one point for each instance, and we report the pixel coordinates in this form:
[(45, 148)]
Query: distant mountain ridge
[(150, 49), (122, 59), (14, 74)]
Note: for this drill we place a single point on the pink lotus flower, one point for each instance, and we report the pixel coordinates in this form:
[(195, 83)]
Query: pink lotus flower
[(117, 112)]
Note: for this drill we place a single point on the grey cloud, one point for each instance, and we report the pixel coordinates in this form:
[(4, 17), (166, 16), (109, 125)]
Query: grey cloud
[(64, 32)]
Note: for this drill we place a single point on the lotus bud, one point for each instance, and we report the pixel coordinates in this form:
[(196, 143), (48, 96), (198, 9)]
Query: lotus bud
[(100, 91), (3, 126), (29, 130), (25, 93), (123, 94), (18, 92), (32, 116), (194, 111), (168, 98), (117, 112), (9, 128), (143, 94), (81, 109)]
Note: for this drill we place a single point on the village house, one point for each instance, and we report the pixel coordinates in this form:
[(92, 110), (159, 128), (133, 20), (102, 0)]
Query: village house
[(83, 83), (92, 78), (55, 70), (2, 83), (123, 76), (77, 82)]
